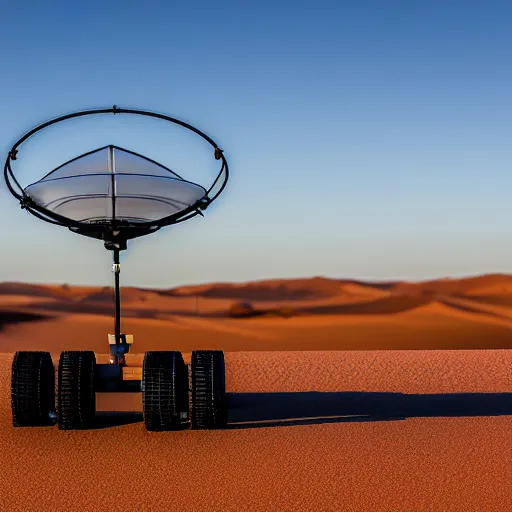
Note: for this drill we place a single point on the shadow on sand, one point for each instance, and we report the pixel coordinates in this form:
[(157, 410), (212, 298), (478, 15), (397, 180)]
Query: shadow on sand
[(259, 410), (256, 410), (116, 419)]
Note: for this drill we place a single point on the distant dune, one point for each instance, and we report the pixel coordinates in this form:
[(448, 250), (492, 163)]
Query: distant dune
[(30, 290), (315, 288), (490, 283), (288, 314), (273, 289)]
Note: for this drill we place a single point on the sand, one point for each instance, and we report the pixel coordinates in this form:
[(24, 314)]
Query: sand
[(354, 431), (368, 403)]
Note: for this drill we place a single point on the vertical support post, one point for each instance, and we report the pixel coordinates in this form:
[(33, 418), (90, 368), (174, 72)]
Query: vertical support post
[(118, 350), (116, 268)]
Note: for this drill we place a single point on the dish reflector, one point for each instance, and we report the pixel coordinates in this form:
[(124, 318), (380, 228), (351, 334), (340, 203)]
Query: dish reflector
[(111, 184)]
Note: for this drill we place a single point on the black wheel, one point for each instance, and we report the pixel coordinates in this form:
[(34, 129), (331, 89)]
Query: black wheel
[(32, 389), (76, 394), (209, 410), (164, 390)]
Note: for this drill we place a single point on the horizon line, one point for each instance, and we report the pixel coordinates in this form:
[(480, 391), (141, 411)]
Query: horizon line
[(267, 279)]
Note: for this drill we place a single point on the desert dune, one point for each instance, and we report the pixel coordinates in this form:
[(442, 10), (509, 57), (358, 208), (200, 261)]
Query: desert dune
[(369, 397), (323, 314)]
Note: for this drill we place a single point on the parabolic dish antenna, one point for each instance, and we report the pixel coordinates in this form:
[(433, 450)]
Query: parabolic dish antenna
[(111, 193)]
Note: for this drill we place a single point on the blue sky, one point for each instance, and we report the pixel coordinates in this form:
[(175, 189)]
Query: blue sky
[(366, 139)]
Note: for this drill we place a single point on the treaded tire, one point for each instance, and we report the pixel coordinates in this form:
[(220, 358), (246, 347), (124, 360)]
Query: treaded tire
[(164, 390), (32, 389), (76, 393), (209, 410)]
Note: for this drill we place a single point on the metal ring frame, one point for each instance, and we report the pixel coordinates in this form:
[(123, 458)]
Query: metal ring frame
[(53, 218)]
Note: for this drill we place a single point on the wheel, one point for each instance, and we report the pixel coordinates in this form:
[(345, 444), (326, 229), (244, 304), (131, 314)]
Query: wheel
[(209, 410), (164, 390), (76, 393), (32, 389)]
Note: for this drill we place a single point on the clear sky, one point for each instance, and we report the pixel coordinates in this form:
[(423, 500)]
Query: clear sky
[(366, 139)]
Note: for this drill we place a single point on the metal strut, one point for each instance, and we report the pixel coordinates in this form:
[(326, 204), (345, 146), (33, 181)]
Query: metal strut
[(120, 347), (116, 268)]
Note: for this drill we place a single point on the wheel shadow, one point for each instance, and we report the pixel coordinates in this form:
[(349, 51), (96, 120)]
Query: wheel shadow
[(116, 419), (111, 419), (259, 410)]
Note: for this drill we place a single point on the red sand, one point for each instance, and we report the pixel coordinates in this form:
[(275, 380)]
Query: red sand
[(374, 429), (415, 464)]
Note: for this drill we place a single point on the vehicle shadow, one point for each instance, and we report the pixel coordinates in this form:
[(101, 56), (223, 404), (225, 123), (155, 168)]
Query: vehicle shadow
[(263, 410), (258, 410)]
